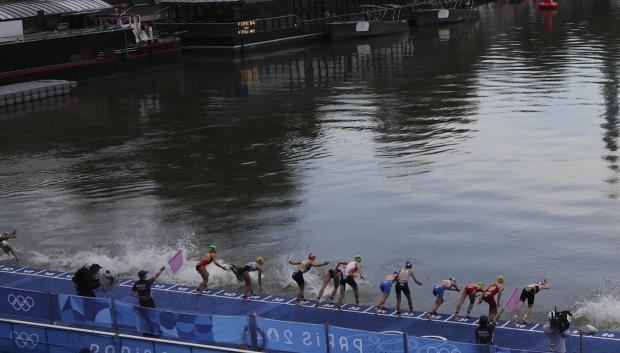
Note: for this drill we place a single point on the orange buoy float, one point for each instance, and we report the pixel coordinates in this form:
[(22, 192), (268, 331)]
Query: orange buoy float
[(548, 5)]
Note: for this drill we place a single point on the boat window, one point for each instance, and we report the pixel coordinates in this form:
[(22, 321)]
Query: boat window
[(125, 20)]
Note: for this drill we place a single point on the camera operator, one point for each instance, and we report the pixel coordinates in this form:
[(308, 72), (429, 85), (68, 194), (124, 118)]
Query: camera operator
[(556, 330), (86, 280)]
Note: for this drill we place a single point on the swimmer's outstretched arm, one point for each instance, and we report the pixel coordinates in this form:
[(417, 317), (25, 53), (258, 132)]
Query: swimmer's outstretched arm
[(319, 265), (220, 266), (294, 262), (415, 279)]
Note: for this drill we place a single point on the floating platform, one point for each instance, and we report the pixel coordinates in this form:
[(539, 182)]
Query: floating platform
[(34, 90), (178, 297)]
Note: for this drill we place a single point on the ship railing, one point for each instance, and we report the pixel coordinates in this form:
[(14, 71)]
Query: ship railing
[(66, 323)]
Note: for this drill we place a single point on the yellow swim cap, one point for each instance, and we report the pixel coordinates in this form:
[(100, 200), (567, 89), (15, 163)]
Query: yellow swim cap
[(260, 260), (481, 285), (500, 279)]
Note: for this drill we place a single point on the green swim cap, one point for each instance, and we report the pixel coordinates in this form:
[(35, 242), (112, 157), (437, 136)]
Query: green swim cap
[(358, 258), (481, 285), (212, 248)]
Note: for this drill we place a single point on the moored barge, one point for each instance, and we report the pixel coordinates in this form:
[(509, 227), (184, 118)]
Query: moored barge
[(69, 39)]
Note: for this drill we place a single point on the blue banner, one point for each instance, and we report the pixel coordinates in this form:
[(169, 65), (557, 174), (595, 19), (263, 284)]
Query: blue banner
[(426, 345), (25, 304), (25, 338), (344, 340), (85, 311), (22, 338), (189, 327), (290, 336)]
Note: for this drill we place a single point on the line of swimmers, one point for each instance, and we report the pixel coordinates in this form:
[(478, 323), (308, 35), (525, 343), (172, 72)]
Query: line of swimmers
[(345, 272)]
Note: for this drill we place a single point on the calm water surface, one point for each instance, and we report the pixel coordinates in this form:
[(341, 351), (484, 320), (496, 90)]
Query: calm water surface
[(475, 149)]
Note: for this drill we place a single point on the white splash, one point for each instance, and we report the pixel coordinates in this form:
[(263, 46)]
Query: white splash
[(602, 309)]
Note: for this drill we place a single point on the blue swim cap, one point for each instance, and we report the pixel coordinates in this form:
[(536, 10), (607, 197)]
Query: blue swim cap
[(395, 273), (408, 264)]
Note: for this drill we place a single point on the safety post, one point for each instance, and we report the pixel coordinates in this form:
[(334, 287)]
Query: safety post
[(405, 342), (117, 341), (50, 314)]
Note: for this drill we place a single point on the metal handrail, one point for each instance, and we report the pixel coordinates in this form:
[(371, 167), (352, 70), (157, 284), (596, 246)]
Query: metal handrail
[(121, 335)]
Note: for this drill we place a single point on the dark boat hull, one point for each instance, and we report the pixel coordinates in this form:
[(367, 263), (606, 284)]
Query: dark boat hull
[(429, 17), (82, 56), (360, 29)]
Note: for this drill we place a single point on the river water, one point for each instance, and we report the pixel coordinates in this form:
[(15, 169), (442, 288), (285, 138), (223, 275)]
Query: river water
[(475, 149)]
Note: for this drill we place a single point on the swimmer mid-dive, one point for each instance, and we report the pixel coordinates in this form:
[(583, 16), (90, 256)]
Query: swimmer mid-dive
[(402, 286), (243, 275), (528, 293), (496, 288), (470, 291), (351, 271), (333, 274), (298, 276), (209, 257), (438, 292), (385, 287), (4, 243)]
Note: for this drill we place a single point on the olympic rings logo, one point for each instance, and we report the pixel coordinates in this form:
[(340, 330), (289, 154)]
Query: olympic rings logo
[(20, 303), (25, 340)]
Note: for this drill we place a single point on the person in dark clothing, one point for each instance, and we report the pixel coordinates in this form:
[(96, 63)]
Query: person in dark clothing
[(484, 331), (142, 288), (86, 280)]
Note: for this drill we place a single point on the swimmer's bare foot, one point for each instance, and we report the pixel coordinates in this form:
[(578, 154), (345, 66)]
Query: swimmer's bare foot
[(398, 314)]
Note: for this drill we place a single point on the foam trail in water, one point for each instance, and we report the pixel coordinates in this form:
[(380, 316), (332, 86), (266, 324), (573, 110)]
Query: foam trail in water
[(136, 255), (602, 309)]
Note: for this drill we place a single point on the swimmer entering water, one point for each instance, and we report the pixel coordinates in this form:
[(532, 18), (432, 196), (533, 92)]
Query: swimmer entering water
[(243, 275), (209, 257), (333, 274), (4, 243), (402, 286), (298, 276), (438, 291), (351, 271), (528, 293)]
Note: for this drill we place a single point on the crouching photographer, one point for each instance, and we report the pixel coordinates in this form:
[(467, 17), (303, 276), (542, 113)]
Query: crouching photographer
[(557, 330)]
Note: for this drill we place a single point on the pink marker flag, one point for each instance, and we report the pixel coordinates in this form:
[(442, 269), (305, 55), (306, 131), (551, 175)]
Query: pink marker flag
[(176, 261), (513, 301)]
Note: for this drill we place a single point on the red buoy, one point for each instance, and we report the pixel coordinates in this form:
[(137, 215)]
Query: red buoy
[(548, 5)]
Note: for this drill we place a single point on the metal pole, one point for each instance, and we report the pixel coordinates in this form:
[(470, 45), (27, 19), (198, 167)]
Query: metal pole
[(328, 348), (13, 338), (50, 312), (405, 342), (253, 335), (580, 341)]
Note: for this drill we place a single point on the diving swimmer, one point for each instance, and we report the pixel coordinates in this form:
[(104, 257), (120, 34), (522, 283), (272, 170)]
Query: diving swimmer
[(438, 291), (351, 271), (243, 275), (207, 258), (528, 293), (298, 276), (333, 274), (4, 243), (470, 291)]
